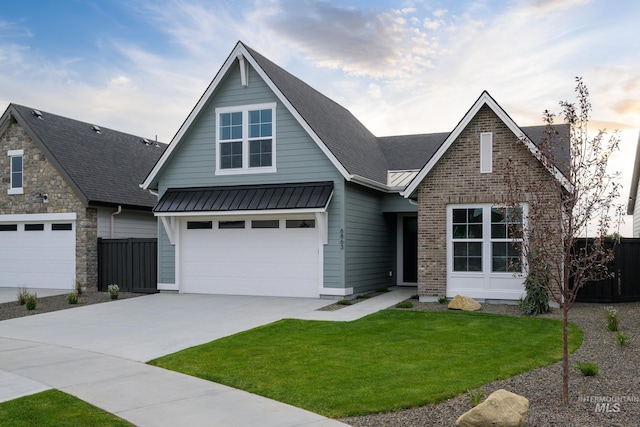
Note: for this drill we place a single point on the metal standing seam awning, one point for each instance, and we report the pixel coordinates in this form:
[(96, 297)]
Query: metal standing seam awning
[(310, 197)]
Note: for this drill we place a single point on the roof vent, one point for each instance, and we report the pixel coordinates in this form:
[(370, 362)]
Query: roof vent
[(96, 129), (38, 114), (146, 142)]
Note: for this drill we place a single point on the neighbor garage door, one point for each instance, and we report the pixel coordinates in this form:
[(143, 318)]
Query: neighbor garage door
[(250, 256), (38, 252)]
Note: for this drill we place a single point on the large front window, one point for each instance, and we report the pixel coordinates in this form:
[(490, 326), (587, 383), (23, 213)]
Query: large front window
[(246, 139), (485, 239)]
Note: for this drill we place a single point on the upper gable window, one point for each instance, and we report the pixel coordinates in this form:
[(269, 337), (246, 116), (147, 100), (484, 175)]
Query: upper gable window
[(246, 140), (15, 159)]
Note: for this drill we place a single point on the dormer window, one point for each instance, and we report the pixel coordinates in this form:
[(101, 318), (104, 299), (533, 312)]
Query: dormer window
[(246, 140), (16, 164)]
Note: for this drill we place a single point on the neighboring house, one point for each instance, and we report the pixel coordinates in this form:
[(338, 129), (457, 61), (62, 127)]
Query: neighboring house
[(66, 183), (633, 208), (271, 188)]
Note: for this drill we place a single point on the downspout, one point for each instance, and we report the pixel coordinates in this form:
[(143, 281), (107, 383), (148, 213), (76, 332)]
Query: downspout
[(113, 221)]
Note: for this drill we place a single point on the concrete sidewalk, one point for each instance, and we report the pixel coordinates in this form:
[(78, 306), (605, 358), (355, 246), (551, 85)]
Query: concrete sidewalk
[(95, 353)]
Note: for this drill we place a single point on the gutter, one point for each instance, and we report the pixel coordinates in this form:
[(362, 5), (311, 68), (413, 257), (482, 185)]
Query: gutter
[(113, 221)]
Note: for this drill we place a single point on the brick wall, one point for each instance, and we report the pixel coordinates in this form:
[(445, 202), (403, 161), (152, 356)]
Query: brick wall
[(456, 178), (40, 176)]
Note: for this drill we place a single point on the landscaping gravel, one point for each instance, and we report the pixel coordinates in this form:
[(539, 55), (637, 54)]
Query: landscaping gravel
[(617, 383), (10, 310)]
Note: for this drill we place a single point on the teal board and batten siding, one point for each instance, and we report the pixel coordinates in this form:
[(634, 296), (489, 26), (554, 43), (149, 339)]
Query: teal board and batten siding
[(369, 240), (298, 159)]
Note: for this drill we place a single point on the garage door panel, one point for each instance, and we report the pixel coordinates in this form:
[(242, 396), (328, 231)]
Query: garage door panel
[(274, 262), (38, 258)]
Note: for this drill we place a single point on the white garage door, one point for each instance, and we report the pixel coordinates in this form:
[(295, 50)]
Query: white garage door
[(269, 257), (38, 254)]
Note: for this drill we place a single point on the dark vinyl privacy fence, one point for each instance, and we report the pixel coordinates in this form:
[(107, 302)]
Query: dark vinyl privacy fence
[(132, 264), (624, 285)]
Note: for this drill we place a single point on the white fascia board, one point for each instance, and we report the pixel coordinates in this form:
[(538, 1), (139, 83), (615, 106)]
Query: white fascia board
[(241, 213), (336, 163), (369, 183), (186, 125), (239, 50), (70, 216), (484, 99)]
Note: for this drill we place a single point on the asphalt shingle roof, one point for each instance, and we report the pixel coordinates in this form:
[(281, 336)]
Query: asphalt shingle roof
[(106, 167), (355, 147)]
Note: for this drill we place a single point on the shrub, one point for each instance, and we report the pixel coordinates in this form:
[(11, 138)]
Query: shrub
[(404, 304), (383, 290), (622, 338), (536, 299), (72, 298), (416, 296), (476, 397), (114, 290), (363, 297), (31, 300), (588, 369), (344, 302), (442, 300), (612, 318), (22, 295)]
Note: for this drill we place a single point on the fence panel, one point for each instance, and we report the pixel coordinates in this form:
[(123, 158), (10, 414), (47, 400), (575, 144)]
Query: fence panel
[(130, 263), (624, 285)]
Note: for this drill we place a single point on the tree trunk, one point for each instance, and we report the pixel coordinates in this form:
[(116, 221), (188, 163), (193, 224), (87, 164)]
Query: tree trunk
[(565, 353)]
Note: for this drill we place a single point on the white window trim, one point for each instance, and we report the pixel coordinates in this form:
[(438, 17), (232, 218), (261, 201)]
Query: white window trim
[(245, 169), (17, 190), (486, 242), (486, 152)]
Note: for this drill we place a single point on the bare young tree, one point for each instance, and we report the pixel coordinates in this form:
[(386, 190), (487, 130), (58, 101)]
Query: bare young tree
[(579, 205)]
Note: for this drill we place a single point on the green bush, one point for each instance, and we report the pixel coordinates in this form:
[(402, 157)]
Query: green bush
[(442, 300), (22, 295), (612, 318), (476, 397), (31, 300), (536, 299), (622, 339), (404, 304), (72, 298), (588, 369), (363, 296), (114, 291), (344, 302), (416, 296)]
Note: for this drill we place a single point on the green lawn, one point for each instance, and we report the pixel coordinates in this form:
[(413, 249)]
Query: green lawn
[(53, 408), (383, 362)]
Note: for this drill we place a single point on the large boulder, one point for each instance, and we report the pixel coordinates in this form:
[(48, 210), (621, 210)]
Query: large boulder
[(460, 302), (501, 409)]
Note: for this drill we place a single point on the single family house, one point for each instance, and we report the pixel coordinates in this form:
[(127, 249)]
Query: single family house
[(66, 183), (271, 188)]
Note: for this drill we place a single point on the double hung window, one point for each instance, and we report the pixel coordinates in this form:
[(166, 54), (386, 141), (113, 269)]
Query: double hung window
[(246, 139), (15, 159)]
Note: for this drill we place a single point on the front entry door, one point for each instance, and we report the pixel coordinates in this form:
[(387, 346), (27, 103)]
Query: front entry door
[(409, 249)]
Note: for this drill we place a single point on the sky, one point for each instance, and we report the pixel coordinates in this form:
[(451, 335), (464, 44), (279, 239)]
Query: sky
[(401, 67)]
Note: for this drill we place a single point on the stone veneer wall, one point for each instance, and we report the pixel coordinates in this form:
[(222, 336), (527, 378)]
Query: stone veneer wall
[(40, 176), (456, 178)]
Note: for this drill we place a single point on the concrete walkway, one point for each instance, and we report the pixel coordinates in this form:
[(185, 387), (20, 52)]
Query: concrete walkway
[(96, 352)]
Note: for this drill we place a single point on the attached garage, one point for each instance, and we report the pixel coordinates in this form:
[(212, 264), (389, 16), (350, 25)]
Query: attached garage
[(251, 256), (38, 251), (262, 240)]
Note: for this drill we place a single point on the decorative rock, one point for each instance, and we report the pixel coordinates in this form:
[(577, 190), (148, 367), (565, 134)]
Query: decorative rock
[(501, 409), (460, 302)]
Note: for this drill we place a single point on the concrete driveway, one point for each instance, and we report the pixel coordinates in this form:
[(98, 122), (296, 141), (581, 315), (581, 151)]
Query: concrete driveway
[(95, 353)]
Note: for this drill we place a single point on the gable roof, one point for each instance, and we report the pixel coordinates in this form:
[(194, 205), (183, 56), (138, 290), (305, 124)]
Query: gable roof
[(486, 99), (103, 167), (348, 144)]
